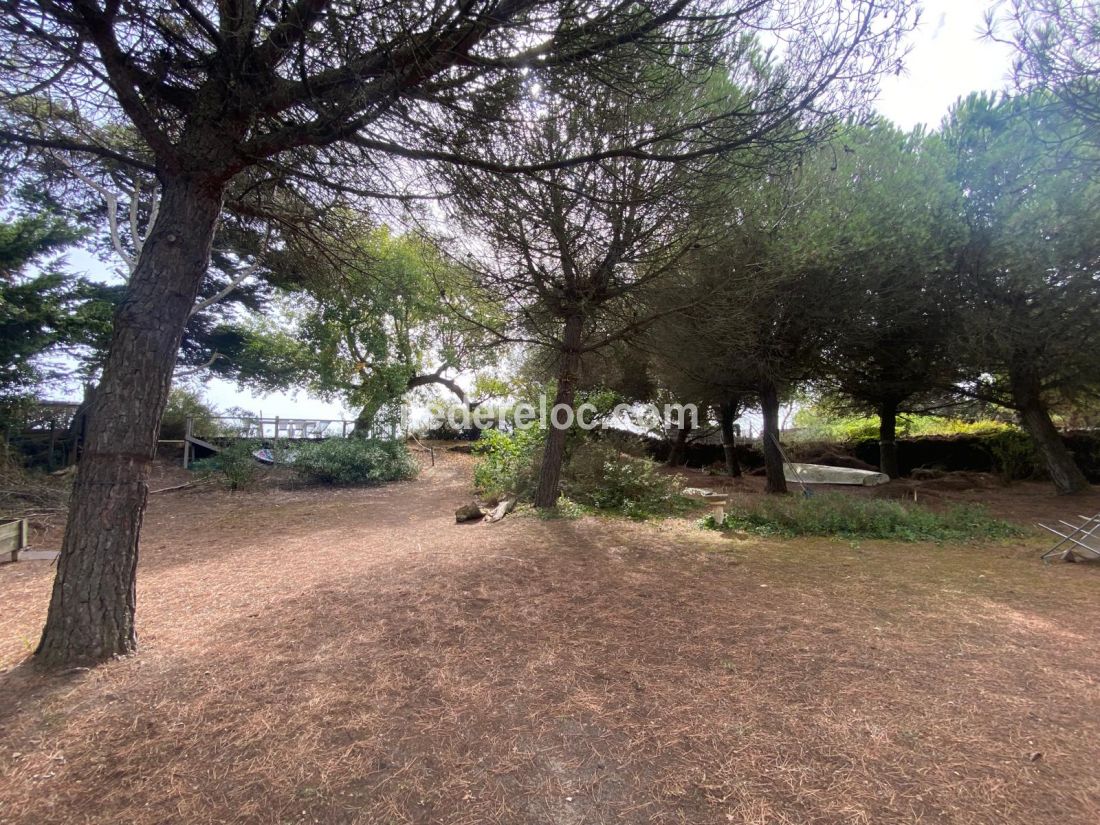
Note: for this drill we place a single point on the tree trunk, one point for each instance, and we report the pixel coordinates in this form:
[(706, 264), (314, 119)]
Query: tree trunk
[(553, 454), (678, 452), (727, 413), (91, 613), (1034, 418), (887, 435), (364, 421), (773, 458)]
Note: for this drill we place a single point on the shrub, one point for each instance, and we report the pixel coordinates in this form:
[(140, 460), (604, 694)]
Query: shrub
[(836, 514), (596, 475), (1014, 455), (182, 404), (509, 463), (24, 491), (601, 477), (234, 465), (353, 461)]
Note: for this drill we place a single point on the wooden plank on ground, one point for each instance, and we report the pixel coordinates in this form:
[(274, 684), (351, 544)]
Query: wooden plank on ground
[(39, 555)]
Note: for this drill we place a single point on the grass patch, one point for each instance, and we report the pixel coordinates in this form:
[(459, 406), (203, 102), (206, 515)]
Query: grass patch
[(835, 514)]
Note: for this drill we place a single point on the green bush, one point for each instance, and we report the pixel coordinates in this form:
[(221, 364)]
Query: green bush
[(234, 465), (600, 476), (1015, 457), (836, 514), (353, 461), (182, 404), (595, 475), (509, 463)]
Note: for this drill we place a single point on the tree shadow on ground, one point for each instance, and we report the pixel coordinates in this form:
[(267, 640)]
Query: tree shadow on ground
[(582, 671)]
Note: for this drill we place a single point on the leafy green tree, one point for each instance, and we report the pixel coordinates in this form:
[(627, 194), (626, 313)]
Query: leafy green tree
[(898, 232), (1031, 267), (46, 314), (570, 249), (29, 240), (116, 205), (367, 326), (185, 403), (761, 295), (255, 100), (834, 272)]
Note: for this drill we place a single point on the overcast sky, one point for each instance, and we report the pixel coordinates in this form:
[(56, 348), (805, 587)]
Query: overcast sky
[(949, 59)]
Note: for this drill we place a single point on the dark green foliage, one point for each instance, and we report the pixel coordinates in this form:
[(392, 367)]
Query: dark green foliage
[(30, 239), (1031, 297), (368, 329), (599, 476), (43, 310), (183, 404), (235, 465), (353, 461), (1015, 456), (844, 516), (509, 463)]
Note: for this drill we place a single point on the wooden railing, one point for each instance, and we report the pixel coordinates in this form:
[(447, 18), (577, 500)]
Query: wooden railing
[(225, 426), (221, 428)]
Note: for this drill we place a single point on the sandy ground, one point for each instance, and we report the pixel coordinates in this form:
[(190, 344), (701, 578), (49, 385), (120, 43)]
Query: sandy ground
[(357, 657)]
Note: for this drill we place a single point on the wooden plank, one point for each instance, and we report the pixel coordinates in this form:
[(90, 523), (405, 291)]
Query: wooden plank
[(33, 556), (13, 538), (10, 535), (198, 442), (39, 555)]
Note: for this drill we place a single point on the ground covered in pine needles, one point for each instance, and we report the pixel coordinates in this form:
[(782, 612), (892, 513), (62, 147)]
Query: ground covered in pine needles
[(357, 657)]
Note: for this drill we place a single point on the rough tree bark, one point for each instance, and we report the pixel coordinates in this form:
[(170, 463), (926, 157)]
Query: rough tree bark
[(727, 414), (677, 454), (553, 454), (887, 437), (91, 613), (1034, 417), (364, 421), (773, 459)]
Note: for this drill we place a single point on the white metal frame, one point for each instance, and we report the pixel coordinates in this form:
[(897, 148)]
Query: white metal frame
[(1077, 539)]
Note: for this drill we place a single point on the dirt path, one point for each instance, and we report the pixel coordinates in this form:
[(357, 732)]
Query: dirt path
[(355, 656)]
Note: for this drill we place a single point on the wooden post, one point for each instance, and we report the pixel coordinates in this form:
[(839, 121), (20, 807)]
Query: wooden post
[(343, 428), (53, 445), (187, 433)]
